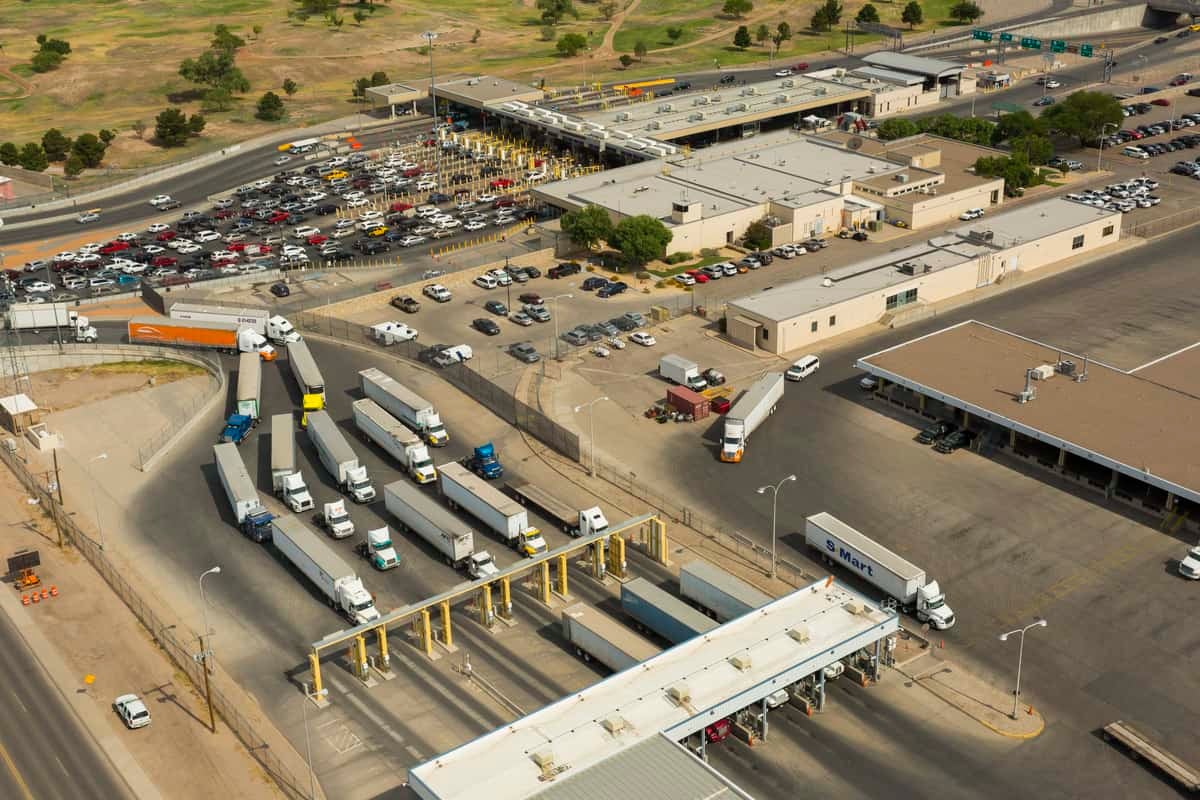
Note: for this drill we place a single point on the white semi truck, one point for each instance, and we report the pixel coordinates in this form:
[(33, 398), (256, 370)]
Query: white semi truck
[(405, 405), (252, 517), (502, 515), (838, 543), (446, 533), (313, 556), (286, 480), (249, 385), (51, 316), (337, 457), (378, 549), (335, 519), (573, 522), (395, 438), (748, 413), (272, 326)]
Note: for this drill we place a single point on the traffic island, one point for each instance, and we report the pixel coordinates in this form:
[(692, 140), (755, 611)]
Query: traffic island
[(987, 705)]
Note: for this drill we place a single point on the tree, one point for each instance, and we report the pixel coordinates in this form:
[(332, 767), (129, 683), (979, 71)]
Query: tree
[(9, 155), (640, 239), (608, 9), (55, 145), (290, 87), (554, 10), (475, 36), (359, 16), (1016, 124), (60, 46), (1083, 115), (224, 40), (215, 69), (913, 14), (45, 61), (964, 129), (107, 136), (1033, 148), (783, 32), (548, 33), (571, 44), (965, 11), (171, 128), (827, 16), (757, 236), (741, 39), (737, 8), (89, 149), (196, 124), (257, 30), (139, 128), (360, 88), (217, 100), (674, 32), (379, 78), (625, 60), (270, 108), (73, 167), (639, 49), (588, 226), (762, 33), (891, 129), (33, 158), (867, 13)]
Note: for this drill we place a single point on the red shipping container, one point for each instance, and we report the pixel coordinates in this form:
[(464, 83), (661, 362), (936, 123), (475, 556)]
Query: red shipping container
[(685, 401)]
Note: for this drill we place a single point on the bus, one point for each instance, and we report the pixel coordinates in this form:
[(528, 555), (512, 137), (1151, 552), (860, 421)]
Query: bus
[(635, 89), (299, 146)]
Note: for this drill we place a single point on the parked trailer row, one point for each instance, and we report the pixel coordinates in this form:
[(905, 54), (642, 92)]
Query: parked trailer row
[(659, 612), (718, 593), (596, 635), (321, 564), (405, 405), (572, 521), (444, 532)]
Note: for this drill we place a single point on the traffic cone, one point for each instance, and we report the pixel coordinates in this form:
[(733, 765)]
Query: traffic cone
[(35, 598), (54, 591), (24, 599), (45, 594)]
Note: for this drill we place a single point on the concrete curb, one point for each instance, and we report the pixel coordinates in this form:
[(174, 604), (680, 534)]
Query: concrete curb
[(89, 716), (918, 680)]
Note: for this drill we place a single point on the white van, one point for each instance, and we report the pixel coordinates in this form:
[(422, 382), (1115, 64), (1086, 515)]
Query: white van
[(803, 368), (1135, 152)]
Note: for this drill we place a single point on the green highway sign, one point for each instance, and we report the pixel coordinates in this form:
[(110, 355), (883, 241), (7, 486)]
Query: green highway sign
[(1085, 50), (1058, 46), (1029, 43), (983, 36), (1006, 37)]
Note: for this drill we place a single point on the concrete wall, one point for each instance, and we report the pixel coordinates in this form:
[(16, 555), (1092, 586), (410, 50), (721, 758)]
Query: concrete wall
[(39, 358), (936, 209), (1100, 21), (900, 100), (714, 231)]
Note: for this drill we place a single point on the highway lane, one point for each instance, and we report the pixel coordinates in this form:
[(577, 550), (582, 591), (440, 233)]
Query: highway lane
[(45, 752)]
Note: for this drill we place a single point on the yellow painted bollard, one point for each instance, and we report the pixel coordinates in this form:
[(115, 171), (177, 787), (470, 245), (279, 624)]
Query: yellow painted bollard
[(314, 666), (562, 575), (423, 632), (384, 659)]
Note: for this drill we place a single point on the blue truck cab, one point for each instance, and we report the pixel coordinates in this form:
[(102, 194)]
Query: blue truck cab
[(485, 462), (237, 427)]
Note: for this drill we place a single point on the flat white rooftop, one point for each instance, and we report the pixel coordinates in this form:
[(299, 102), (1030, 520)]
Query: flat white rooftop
[(677, 693), (1035, 221)]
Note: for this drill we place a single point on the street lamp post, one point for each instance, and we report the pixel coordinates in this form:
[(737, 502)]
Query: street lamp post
[(1041, 623), (554, 300), (1100, 148), (312, 780), (95, 501), (591, 429), (429, 36), (206, 649), (774, 507)]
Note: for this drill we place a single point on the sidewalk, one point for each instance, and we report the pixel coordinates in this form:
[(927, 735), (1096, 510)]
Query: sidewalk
[(974, 697)]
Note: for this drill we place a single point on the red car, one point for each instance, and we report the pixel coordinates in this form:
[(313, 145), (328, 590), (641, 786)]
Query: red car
[(1161, 101), (500, 183), (237, 247), (413, 172), (164, 261), (277, 217), (317, 238), (400, 207), (720, 405), (166, 236), (224, 213), (223, 262), (803, 65), (430, 142), (504, 202), (698, 275), (114, 247)]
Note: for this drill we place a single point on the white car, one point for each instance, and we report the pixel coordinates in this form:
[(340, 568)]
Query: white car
[(73, 282), (426, 185), (206, 236), (783, 73), (426, 211), (357, 202), (343, 224), (342, 233), (154, 249), (971, 213), (305, 231), (464, 204), (535, 175), (96, 283), (371, 214), (337, 161), (188, 248), (485, 282), (90, 247), (397, 331), (1052, 84), (159, 227), (474, 225), (486, 198), (447, 224), (223, 203), (133, 712), (501, 277), (262, 183), (315, 197), (86, 217), (126, 237), (159, 199), (409, 241), (38, 287), (436, 291), (642, 338), (217, 255), (683, 279), (132, 268), (1189, 565), (281, 160)]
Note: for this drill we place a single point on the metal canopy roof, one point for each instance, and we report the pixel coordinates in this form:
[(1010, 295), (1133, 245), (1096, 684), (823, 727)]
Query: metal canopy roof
[(918, 65)]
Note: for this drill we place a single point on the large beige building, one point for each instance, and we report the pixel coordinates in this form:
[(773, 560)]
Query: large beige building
[(904, 283)]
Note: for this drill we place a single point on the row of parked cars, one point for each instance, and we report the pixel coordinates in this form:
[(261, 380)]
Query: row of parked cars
[(946, 437), (1124, 197), (1143, 150)]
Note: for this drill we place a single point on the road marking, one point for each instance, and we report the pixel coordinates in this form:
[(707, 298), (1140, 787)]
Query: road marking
[(12, 768), (1080, 578), (62, 766), (371, 715)]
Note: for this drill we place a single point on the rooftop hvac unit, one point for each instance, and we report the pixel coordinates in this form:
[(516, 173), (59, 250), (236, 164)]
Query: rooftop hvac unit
[(740, 107), (622, 134), (696, 117), (799, 633), (666, 107), (782, 99), (635, 144), (854, 607), (827, 282), (597, 134), (820, 90), (788, 83), (702, 100), (613, 723), (1043, 373), (653, 125), (901, 178), (749, 90), (573, 126), (741, 662), (907, 267), (544, 758), (680, 693), (622, 116)]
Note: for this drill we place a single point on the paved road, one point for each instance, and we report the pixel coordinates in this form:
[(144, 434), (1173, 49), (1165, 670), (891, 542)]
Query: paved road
[(44, 749)]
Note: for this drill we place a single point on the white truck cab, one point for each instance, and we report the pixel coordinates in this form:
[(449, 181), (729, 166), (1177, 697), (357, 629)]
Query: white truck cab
[(1189, 566), (481, 565), (336, 520)]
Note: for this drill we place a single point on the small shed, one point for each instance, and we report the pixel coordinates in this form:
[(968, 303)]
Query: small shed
[(18, 412), (685, 401)]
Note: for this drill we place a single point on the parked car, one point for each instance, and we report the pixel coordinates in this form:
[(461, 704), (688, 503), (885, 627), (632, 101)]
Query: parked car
[(132, 711), (642, 338), (485, 326), (406, 303), (280, 290), (954, 441), (525, 351), (935, 431), (496, 307), (437, 292)]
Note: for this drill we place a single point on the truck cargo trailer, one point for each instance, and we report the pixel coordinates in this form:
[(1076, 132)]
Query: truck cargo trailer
[(718, 593), (657, 611), (249, 385), (750, 411), (596, 635), (447, 534), (224, 336), (405, 405), (321, 564), (252, 517), (502, 515)]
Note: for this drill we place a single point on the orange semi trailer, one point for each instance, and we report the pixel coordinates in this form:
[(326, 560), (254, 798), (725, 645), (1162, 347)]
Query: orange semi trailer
[(215, 335)]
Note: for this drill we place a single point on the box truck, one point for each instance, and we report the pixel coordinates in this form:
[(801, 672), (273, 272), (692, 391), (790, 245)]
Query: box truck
[(395, 438), (405, 405), (225, 336), (596, 635), (307, 374), (276, 328), (286, 480), (377, 548), (502, 515), (655, 610), (321, 564), (838, 543), (573, 522), (249, 385), (51, 316), (338, 458), (717, 593), (446, 533), (748, 413), (680, 370), (252, 517)]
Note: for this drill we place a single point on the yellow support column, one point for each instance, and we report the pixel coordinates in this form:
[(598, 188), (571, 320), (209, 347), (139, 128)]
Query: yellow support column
[(424, 632), (485, 605), (385, 661), (616, 555), (562, 575), (359, 658), (598, 559), (544, 582), (314, 666), (447, 630), (505, 598), (658, 541)]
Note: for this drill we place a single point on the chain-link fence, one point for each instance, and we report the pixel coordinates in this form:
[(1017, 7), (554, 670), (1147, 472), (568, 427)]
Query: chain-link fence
[(1161, 225), (179, 643)]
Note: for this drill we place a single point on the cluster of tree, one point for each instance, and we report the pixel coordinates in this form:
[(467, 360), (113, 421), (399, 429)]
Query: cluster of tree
[(758, 235), (737, 8), (553, 11), (217, 71), (328, 9), (639, 239), (571, 44), (1083, 116), (85, 152), (50, 53), (378, 78), (827, 16), (913, 14), (1016, 170), (965, 11), (270, 108), (762, 34), (964, 129), (173, 128)]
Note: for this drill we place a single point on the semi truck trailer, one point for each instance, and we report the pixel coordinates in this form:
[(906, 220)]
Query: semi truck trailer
[(405, 405), (249, 385), (595, 635), (48, 316), (225, 336), (748, 413), (338, 458), (717, 593), (273, 326), (321, 564), (502, 515), (573, 522), (444, 532), (252, 517), (286, 480), (395, 438), (838, 543), (307, 374), (659, 612)]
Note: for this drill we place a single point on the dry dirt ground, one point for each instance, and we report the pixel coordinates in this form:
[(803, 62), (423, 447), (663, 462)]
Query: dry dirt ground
[(60, 389)]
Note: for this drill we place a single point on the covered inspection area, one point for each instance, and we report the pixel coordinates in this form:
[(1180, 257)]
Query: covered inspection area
[(1132, 434), (575, 746)]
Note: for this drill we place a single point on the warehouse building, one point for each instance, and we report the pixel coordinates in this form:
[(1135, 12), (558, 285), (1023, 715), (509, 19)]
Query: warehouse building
[(901, 286)]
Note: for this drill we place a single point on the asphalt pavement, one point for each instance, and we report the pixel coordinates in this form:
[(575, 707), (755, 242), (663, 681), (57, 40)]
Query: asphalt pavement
[(44, 749)]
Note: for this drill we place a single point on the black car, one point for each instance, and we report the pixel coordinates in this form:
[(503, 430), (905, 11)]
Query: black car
[(338, 255), (564, 269), (1160, 40), (485, 326), (438, 197), (371, 247), (624, 324), (280, 289), (533, 272), (935, 431), (728, 78), (496, 307), (954, 441), (614, 288), (325, 209), (594, 282), (764, 257)]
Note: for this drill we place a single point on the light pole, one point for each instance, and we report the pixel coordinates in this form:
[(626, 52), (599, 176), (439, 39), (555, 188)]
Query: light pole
[(205, 651), (774, 507), (95, 502), (554, 300), (312, 781), (1100, 148), (591, 429), (1041, 623), (429, 36)]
